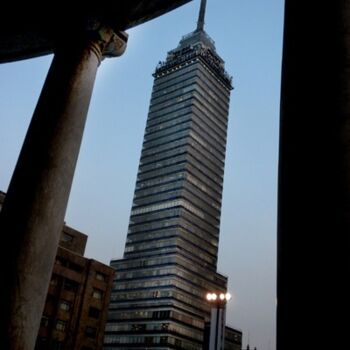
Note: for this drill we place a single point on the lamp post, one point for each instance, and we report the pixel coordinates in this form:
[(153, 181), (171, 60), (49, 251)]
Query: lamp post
[(217, 319)]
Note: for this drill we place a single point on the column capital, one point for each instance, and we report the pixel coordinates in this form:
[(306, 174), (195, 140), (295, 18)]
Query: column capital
[(94, 35), (104, 40)]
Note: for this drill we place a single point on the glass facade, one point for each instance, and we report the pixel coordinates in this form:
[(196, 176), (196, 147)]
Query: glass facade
[(170, 257)]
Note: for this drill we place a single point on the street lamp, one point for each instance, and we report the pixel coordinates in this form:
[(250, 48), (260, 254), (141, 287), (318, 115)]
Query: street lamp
[(217, 319)]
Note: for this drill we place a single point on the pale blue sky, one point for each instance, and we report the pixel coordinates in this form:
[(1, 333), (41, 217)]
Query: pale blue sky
[(248, 36)]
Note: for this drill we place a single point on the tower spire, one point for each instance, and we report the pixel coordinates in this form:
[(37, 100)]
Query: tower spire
[(200, 23)]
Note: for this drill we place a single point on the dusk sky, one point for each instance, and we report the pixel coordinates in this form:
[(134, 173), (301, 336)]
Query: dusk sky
[(248, 36)]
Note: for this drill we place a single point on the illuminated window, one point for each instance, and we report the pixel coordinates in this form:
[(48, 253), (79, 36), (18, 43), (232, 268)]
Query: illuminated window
[(100, 276), (64, 305), (60, 325), (97, 294)]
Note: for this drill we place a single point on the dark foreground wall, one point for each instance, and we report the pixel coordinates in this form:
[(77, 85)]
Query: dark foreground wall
[(314, 177)]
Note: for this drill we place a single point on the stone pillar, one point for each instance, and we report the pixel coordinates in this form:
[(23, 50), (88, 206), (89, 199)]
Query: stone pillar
[(33, 212), (314, 177)]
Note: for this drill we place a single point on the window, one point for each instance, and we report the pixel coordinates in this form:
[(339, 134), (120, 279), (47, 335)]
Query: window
[(178, 342), (75, 267), (66, 237), (57, 345), (60, 325), (70, 285), (54, 280), (100, 276), (97, 294), (61, 261), (163, 340), (64, 305), (138, 327), (94, 312), (90, 332), (161, 314), (44, 321), (149, 340)]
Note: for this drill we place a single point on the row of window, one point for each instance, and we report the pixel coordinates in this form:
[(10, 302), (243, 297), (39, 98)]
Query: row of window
[(61, 326), (167, 260), (149, 340), (175, 159), (194, 147), (181, 75), (166, 99), (170, 217), (190, 304), (165, 139), (166, 133), (187, 201), (168, 124), (170, 103), (156, 229), (200, 107), (160, 282), (69, 264), (156, 315), (166, 182), (168, 114), (170, 88), (147, 192), (198, 242), (178, 242), (180, 105), (152, 326), (169, 204)]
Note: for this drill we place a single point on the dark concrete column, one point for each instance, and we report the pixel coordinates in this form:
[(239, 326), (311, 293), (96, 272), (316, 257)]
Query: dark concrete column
[(314, 177), (32, 216)]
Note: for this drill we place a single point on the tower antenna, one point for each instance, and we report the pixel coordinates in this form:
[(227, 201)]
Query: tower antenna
[(200, 23)]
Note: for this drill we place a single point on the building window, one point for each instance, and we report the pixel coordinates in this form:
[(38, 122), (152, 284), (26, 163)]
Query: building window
[(94, 312), (61, 261), (66, 237), (70, 285), (64, 305), (163, 340), (138, 327), (178, 342), (54, 280), (90, 332), (100, 276), (97, 294), (149, 340), (60, 325), (161, 314), (44, 321), (57, 345), (75, 267)]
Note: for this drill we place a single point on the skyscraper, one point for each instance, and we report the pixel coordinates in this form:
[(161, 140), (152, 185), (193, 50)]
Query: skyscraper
[(170, 258)]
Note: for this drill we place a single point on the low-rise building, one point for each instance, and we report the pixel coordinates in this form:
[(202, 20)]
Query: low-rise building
[(76, 306), (77, 300)]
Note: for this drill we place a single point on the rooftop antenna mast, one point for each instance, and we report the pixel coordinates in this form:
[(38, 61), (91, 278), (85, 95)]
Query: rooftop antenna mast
[(200, 23)]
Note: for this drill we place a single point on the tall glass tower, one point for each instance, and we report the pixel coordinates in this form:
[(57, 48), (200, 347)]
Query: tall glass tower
[(170, 258)]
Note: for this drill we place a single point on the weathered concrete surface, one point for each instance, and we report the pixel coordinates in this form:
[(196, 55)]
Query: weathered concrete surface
[(314, 177)]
